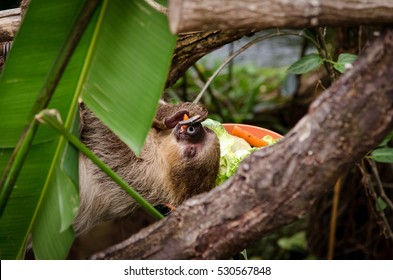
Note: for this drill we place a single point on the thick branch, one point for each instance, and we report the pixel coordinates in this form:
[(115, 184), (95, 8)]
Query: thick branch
[(277, 185), (195, 15), (9, 24)]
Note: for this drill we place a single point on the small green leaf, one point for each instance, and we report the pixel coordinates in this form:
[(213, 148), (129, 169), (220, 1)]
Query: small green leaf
[(380, 204), (306, 64), (244, 254), (384, 155), (386, 140), (345, 60)]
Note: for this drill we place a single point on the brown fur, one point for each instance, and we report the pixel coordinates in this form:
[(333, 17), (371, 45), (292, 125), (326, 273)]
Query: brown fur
[(168, 169)]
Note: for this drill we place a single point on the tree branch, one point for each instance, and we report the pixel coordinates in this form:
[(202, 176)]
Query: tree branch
[(276, 185), (9, 24), (191, 15), (158, 7)]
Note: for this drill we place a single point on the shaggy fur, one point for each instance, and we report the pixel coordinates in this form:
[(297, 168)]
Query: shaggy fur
[(171, 167)]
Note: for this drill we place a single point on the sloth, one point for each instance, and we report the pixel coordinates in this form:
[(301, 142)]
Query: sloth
[(179, 159)]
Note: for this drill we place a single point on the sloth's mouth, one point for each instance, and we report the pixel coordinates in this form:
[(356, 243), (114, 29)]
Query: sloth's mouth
[(165, 208)]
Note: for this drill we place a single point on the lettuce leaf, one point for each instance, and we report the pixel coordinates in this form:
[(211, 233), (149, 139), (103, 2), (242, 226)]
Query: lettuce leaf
[(232, 149)]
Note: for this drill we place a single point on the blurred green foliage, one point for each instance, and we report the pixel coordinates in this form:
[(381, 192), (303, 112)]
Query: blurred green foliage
[(234, 95), (286, 243)]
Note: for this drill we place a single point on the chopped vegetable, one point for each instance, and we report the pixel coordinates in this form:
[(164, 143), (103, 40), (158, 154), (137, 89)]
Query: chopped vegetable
[(251, 139), (269, 140), (232, 150), (185, 117)]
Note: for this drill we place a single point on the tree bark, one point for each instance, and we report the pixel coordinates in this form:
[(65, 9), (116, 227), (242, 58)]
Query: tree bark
[(276, 185), (195, 15), (9, 24)]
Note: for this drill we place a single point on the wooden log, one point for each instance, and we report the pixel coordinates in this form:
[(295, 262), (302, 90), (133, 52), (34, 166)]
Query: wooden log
[(207, 15), (9, 24)]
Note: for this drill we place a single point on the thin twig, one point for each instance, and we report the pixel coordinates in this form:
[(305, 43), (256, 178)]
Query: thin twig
[(333, 217), (158, 7), (230, 66), (379, 183), (210, 91), (324, 52), (371, 191), (245, 47)]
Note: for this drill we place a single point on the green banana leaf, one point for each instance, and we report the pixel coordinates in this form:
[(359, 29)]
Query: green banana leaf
[(40, 37), (45, 197), (128, 71)]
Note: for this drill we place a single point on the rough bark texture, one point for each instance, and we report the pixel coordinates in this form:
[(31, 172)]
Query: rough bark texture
[(277, 185), (9, 24), (195, 15)]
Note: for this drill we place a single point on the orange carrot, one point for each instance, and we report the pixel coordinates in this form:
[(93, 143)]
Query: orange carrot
[(185, 117), (250, 138)]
